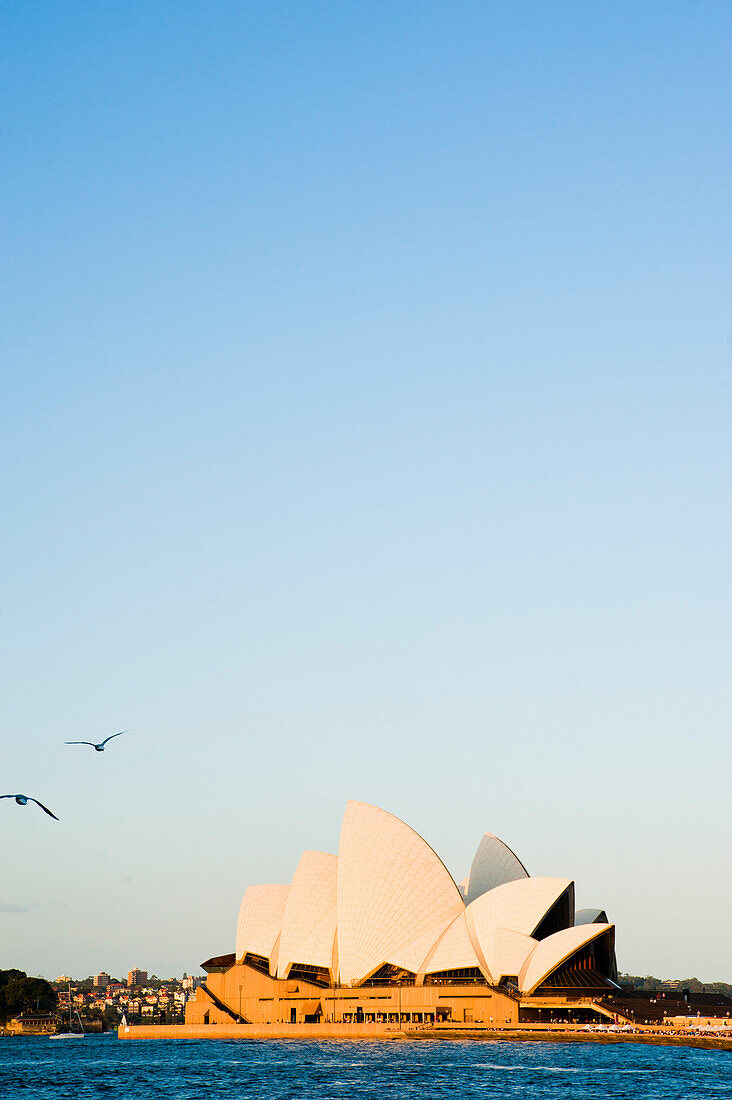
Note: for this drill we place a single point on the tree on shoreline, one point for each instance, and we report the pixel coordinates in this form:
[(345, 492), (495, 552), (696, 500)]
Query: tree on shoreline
[(19, 993), (649, 984)]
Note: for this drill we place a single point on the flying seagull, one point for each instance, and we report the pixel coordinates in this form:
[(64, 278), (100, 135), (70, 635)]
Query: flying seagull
[(100, 746), (24, 799)]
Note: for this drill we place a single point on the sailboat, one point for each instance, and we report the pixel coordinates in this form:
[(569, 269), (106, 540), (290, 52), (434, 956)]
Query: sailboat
[(71, 1034)]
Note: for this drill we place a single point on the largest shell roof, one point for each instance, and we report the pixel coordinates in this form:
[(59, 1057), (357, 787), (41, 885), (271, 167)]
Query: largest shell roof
[(387, 899)]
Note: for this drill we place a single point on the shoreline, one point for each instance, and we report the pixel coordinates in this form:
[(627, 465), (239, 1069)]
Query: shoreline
[(375, 1032)]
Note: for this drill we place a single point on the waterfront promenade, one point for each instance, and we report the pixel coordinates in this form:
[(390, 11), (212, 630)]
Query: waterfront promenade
[(552, 1033)]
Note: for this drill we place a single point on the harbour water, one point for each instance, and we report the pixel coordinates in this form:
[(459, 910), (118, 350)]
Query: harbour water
[(102, 1066)]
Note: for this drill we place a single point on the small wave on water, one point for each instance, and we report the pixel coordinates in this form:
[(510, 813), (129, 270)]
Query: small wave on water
[(559, 1069), (36, 1069)]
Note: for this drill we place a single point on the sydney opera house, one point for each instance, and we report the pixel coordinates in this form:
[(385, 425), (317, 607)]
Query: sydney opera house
[(380, 933)]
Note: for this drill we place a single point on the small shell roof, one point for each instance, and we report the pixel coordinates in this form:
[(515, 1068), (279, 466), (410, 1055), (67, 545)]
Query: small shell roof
[(505, 951), (453, 950), (260, 919), (309, 921), (590, 916), (555, 950), (493, 865), (520, 905)]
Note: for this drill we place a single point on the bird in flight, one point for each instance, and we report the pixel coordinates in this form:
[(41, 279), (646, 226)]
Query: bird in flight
[(100, 746), (24, 799)]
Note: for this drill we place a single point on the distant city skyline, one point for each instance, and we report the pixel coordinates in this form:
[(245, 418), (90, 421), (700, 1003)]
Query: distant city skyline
[(365, 435)]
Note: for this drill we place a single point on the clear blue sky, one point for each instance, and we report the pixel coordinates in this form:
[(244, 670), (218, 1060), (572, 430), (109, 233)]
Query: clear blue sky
[(365, 433)]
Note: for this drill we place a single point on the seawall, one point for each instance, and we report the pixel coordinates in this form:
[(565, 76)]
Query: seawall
[(557, 1033)]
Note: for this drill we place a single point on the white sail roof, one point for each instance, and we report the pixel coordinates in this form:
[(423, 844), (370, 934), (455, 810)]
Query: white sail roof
[(590, 916), (309, 922), (453, 950), (493, 865), (555, 950), (505, 951), (388, 899), (274, 957), (520, 905), (260, 919), (395, 897)]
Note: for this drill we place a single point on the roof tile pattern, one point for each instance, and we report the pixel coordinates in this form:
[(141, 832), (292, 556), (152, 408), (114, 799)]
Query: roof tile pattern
[(395, 897), (260, 919), (493, 864), (554, 950), (520, 905), (309, 922), (453, 950), (505, 952)]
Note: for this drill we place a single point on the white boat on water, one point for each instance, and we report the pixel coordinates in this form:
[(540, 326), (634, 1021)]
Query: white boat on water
[(71, 1034)]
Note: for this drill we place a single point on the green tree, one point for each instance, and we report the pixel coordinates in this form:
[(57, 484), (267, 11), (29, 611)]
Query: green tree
[(19, 993)]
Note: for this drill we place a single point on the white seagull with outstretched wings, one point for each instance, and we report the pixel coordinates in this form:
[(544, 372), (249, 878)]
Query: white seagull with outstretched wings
[(100, 746), (24, 799)]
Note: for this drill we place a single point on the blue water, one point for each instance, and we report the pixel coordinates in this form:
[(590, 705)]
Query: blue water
[(103, 1066)]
